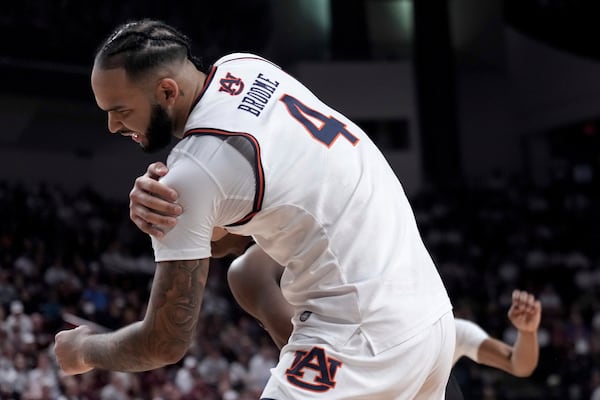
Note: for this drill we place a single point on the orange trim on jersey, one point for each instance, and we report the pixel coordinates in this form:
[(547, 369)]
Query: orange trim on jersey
[(258, 170)]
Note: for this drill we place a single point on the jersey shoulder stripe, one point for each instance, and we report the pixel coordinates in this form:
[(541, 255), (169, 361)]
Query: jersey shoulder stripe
[(249, 148)]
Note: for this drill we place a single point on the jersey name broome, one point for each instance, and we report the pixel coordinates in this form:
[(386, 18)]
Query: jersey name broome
[(259, 94)]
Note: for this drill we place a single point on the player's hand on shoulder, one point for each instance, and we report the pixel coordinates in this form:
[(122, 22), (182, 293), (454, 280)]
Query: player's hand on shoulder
[(525, 312), (68, 350), (153, 204)]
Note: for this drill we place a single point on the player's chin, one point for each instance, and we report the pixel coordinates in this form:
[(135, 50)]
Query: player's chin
[(147, 147)]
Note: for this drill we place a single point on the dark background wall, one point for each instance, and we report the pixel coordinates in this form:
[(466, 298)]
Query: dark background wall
[(505, 89)]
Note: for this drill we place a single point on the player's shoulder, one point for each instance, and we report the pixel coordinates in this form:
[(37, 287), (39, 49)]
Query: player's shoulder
[(237, 58), (196, 149)]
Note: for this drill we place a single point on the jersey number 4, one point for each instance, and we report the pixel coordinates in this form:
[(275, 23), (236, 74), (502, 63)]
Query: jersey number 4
[(329, 128)]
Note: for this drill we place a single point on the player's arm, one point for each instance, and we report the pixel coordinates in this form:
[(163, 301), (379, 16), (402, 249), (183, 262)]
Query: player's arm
[(168, 328), (254, 282), (161, 338), (153, 204), (520, 359)]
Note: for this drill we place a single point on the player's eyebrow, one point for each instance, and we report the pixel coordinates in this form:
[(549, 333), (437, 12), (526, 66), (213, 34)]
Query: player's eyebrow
[(115, 108)]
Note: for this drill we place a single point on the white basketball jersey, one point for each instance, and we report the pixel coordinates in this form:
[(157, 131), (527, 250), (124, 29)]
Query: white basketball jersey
[(276, 163), (469, 337)]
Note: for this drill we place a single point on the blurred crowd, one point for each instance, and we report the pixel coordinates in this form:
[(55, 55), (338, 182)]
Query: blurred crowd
[(507, 234), (78, 253)]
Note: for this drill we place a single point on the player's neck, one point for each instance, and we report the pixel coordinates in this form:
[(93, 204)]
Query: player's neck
[(190, 88)]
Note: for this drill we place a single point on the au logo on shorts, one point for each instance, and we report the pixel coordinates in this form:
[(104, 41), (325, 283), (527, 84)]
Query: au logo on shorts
[(231, 85), (323, 370)]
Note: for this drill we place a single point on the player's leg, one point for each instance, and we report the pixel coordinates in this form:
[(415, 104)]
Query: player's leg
[(442, 343), (254, 281), (313, 368)]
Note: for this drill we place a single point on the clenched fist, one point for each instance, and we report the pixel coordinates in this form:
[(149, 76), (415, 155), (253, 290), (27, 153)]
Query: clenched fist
[(525, 313)]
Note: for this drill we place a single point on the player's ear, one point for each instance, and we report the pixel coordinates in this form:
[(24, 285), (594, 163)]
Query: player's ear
[(167, 91)]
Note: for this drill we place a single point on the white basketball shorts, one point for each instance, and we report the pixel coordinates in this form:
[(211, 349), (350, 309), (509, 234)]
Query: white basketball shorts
[(415, 369)]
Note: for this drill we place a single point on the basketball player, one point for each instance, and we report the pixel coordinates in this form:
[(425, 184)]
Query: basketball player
[(254, 280), (260, 155)]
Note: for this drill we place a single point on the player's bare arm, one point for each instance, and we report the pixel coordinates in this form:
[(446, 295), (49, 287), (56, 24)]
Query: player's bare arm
[(520, 359), (162, 338), (153, 204)]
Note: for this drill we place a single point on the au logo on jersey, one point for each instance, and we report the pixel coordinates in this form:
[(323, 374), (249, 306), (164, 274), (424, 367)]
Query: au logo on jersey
[(323, 370), (231, 85)]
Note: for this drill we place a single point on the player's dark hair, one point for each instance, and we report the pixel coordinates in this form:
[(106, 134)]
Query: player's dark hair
[(140, 46)]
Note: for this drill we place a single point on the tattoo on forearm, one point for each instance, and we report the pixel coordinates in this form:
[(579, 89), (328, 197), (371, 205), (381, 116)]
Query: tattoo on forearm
[(170, 323), (177, 298)]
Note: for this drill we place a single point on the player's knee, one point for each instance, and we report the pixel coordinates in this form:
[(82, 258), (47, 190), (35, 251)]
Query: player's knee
[(237, 276)]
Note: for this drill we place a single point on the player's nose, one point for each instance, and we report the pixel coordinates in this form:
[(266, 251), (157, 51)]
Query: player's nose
[(114, 124)]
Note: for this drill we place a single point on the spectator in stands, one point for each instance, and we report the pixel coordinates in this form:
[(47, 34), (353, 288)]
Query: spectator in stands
[(117, 388), (212, 365), (18, 324), (43, 379), (186, 375)]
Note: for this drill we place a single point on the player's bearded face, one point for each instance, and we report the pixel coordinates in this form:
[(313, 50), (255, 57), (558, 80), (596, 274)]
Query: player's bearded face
[(160, 130)]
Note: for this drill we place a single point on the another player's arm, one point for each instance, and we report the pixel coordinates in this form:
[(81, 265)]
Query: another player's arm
[(254, 282), (521, 359), (518, 360), (224, 243)]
